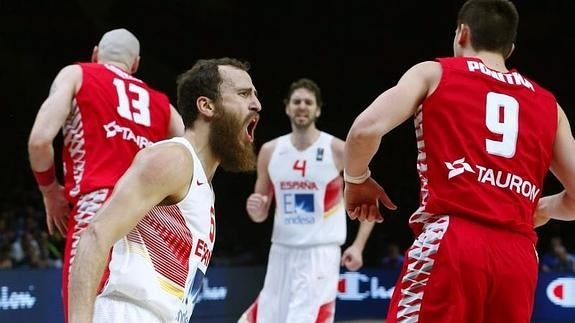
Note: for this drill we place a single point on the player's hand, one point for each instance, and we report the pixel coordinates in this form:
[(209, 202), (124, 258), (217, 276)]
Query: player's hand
[(57, 208), (256, 206), (351, 258), (540, 218), (362, 200)]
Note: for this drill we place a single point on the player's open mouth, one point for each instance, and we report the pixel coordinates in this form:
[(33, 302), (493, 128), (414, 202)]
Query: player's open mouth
[(251, 128)]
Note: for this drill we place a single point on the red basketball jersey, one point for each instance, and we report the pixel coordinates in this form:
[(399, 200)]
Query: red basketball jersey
[(485, 141), (113, 116)]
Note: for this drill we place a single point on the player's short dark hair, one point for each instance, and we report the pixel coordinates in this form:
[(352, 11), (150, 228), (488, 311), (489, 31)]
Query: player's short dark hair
[(203, 79), (493, 24), (307, 84)]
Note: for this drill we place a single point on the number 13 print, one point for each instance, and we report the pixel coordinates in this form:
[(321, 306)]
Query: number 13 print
[(137, 110)]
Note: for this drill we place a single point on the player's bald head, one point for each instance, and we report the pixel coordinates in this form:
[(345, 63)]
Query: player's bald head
[(119, 46)]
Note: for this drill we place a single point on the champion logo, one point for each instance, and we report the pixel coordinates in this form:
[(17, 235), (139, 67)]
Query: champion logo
[(458, 167), (200, 183), (355, 286), (561, 291)]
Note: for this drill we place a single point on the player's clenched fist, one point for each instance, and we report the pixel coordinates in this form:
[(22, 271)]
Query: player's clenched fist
[(257, 206)]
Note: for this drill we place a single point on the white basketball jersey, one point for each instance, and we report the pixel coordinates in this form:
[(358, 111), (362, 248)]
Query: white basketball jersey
[(161, 263), (308, 194)]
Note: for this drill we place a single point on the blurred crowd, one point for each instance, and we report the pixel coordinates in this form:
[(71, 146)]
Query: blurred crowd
[(557, 258), (26, 243), (24, 238)]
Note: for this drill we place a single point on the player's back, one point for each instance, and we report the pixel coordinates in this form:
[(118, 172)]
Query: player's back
[(113, 116), (485, 141)]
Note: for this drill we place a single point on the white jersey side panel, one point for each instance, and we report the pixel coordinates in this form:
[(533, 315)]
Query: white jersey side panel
[(161, 263), (308, 194)]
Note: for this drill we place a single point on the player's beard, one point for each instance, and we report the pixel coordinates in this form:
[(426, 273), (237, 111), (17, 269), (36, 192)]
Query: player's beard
[(226, 141), (303, 124)]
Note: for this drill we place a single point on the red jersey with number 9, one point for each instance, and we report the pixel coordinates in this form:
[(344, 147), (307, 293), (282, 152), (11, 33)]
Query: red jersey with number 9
[(485, 142), (113, 116)]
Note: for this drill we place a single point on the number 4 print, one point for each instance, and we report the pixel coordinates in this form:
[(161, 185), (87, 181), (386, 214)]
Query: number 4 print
[(502, 118), (137, 110), (299, 165)]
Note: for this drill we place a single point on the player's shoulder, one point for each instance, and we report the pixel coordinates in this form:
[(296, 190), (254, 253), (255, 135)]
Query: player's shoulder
[(335, 141), (69, 74), (427, 69), (71, 70), (266, 151), (430, 68), (165, 163), (270, 145), (173, 152), (181, 142), (422, 76)]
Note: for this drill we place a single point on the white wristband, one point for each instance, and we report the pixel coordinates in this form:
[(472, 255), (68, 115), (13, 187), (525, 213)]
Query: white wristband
[(356, 179)]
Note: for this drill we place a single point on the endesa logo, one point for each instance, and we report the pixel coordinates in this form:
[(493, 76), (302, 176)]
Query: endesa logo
[(355, 286), (561, 291)]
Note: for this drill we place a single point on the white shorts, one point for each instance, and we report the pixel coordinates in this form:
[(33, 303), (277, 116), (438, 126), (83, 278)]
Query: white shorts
[(120, 310), (300, 286)]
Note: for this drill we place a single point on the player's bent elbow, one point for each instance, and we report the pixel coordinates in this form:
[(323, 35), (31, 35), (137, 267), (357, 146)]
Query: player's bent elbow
[(361, 131), (38, 143)]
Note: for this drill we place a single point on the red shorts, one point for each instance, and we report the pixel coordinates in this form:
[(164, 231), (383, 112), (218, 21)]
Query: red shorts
[(461, 271), (80, 216)]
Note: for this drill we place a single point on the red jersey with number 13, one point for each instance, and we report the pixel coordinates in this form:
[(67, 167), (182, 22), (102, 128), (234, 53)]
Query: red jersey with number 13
[(113, 116), (485, 141)]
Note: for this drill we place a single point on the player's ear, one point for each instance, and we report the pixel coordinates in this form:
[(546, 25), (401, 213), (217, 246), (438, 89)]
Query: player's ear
[(205, 106), (510, 51), (286, 106), (135, 66), (94, 58), (463, 36)]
